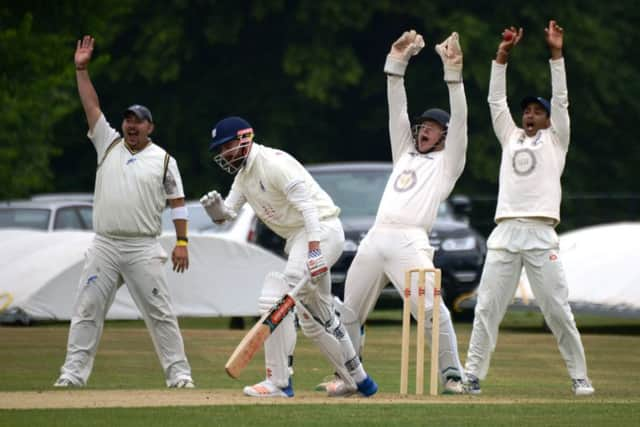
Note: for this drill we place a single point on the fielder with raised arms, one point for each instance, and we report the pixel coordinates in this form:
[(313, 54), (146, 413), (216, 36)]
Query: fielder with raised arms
[(533, 159), (427, 161), (291, 203), (134, 180)]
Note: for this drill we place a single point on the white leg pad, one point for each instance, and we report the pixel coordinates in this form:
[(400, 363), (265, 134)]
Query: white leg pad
[(333, 341), (351, 324), (279, 347)]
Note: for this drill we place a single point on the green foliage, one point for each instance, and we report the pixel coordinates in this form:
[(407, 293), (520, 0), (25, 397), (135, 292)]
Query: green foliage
[(307, 75)]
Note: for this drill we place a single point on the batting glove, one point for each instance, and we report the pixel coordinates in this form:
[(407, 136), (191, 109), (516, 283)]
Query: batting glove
[(214, 206), (409, 44), (316, 265), (451, 54)]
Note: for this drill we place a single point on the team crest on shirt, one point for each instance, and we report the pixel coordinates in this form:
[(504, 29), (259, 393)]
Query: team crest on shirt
[(405, 181), (523, 161)]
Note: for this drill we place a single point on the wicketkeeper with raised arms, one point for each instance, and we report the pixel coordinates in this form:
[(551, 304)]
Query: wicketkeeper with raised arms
[(427, 159), (533, 158), (291, 203)]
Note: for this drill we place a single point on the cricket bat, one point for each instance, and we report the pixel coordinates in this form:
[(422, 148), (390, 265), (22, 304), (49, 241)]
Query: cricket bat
[(255, 338)]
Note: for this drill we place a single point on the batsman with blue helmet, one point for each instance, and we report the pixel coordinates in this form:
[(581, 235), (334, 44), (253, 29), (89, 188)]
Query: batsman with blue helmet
[(291, 203)]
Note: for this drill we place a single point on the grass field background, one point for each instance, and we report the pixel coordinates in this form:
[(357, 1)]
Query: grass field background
[(527, 383)]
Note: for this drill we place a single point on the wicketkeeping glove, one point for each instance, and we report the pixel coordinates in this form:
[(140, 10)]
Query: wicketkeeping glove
[(214, 206), (409, 44), (317, 266), (451, 54)]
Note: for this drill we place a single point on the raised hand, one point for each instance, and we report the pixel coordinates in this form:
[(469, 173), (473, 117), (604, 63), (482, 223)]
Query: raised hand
[(554, 35), (451, 54), (84, 50), (409, 44), (511, 36)]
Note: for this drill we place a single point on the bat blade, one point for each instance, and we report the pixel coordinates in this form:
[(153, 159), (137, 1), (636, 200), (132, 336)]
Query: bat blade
[(255, 338)]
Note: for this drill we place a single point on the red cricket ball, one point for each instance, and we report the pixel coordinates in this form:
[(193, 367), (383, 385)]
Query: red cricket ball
[(507, 36)]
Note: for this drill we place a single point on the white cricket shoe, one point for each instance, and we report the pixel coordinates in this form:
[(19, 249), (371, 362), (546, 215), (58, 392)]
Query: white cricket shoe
[(183, 383), (339, 388), (582, 387), (453, 385), (268, 389), (64, 382), (322, 386)]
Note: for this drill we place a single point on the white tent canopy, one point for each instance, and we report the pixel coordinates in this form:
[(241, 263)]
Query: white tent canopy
[(602, 265), (39, 273)]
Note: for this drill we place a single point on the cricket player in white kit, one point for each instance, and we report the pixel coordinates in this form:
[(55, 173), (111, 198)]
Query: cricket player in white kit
[(528, 209), (134, 179), (290, 202), (427, 161)]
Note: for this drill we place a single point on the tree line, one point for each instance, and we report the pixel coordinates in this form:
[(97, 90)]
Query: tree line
[(308, 76)]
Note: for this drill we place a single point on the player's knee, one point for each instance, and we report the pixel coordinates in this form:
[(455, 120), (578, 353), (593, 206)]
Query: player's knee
[(88, 307), (274, 287), (346, 314)]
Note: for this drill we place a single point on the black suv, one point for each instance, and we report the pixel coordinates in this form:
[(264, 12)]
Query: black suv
[(357, 189)]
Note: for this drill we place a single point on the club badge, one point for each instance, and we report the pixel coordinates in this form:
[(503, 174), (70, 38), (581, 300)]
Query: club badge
[(405, 181), (523, 162)]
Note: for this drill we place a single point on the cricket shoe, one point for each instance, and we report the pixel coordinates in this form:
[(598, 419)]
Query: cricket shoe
[(183, 383), (472, 385), (453, 385), (338, 388), (64, 382), (325, 382), (268, 389), (582, 387)]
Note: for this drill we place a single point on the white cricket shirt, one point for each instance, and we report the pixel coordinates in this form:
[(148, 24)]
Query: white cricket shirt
[(264, 182), (129, 192), (420, 182), (530, 167)]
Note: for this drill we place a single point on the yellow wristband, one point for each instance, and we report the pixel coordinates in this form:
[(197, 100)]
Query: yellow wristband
[(181, 243)]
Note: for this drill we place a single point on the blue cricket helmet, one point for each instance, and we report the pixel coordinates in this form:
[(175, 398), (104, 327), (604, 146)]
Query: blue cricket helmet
[(228, 129), (537, 99)]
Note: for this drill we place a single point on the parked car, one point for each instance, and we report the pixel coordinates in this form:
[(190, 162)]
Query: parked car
[(357, 189), (47, 214), (239, 229)]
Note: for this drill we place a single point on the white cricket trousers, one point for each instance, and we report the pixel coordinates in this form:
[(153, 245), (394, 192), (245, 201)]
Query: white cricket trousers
[(316, 314), (384, 255), (515, 243), (109, 263)]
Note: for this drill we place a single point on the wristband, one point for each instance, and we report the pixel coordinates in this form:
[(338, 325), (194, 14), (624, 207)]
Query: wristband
[(179, 212), (181, 243)]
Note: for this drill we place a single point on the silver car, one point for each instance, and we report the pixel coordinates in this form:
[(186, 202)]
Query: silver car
[(49, 212)]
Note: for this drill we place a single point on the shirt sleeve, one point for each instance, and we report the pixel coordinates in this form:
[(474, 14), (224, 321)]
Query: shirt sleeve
[(235, 199), (560, 122), (298, 195), (399, 123), (102, 135), (503, 124), (173, 181), (455, 147)]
